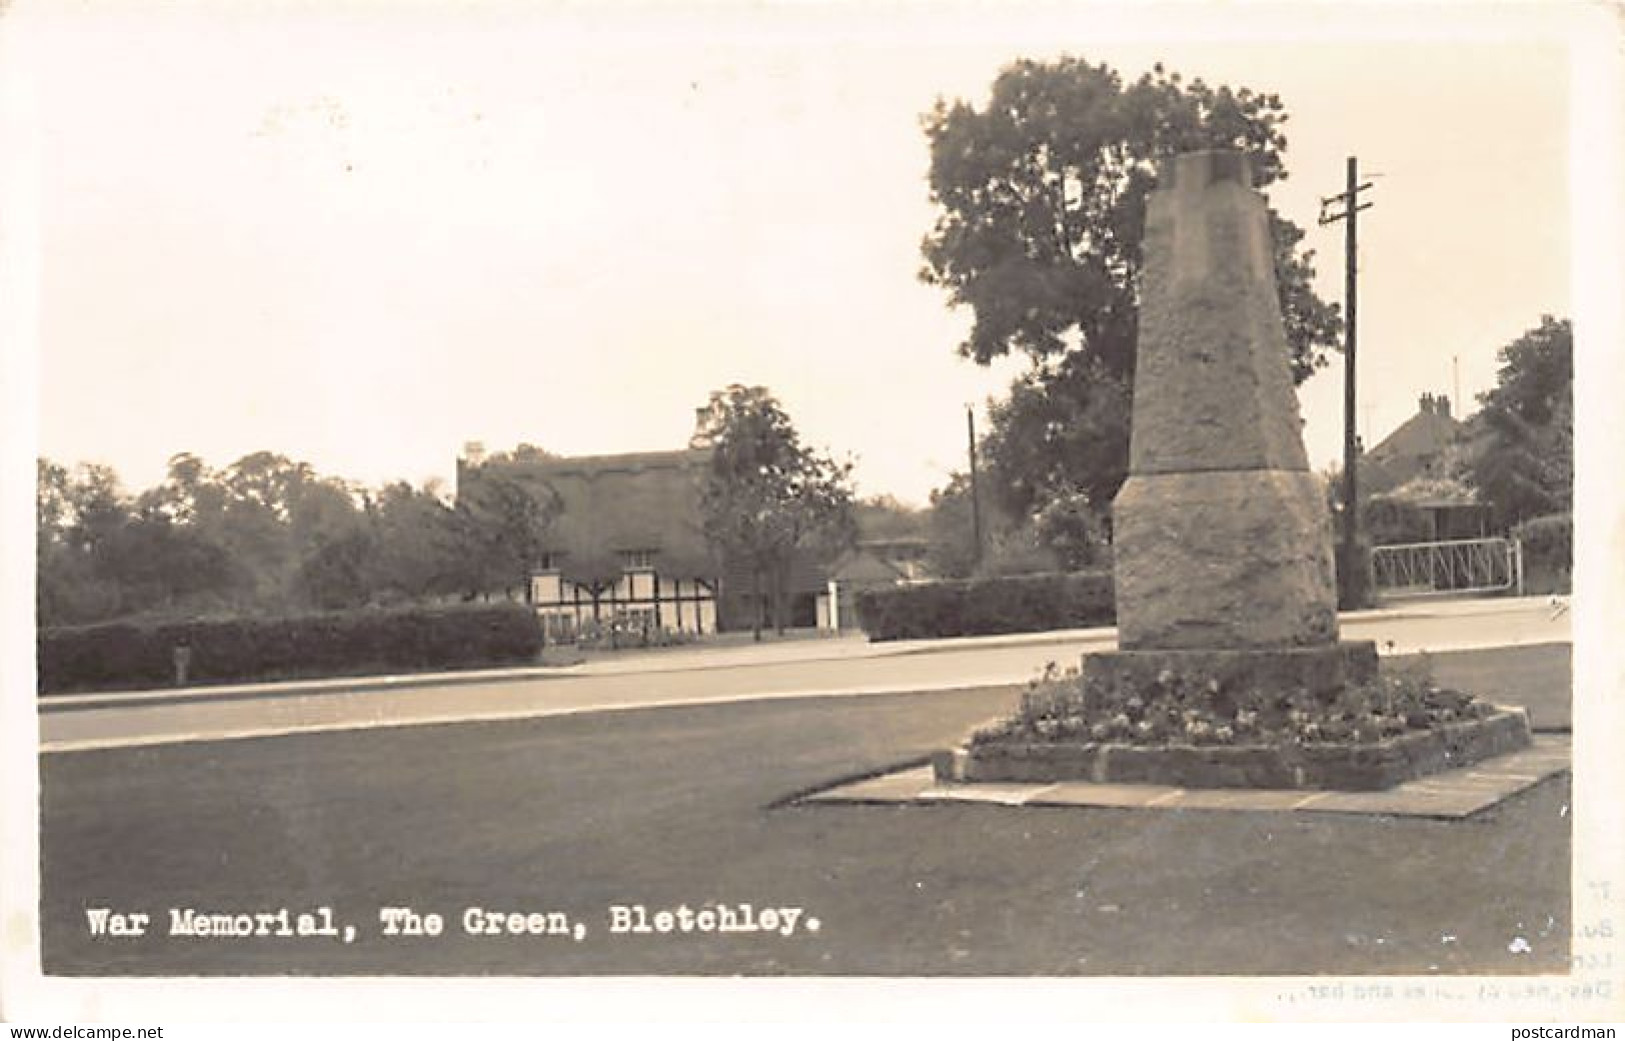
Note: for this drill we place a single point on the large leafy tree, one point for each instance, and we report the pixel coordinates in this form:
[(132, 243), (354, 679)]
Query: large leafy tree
[(1040, 197), (765, 494), (1524, 463)]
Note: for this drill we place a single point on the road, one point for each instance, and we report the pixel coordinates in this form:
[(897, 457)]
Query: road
[(837, 667)]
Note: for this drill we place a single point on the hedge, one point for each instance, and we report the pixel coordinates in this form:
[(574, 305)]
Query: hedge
[(983, 606), (1548, 552), (133, 655)]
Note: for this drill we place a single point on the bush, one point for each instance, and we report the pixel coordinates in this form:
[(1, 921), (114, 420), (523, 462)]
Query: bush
[(983, 606), (1548, 553), (131, 655)]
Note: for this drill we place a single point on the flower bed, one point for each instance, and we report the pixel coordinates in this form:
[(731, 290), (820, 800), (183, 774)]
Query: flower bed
[(1182, 731)]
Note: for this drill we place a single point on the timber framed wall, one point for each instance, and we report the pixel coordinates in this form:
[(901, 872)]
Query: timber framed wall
[(641, 600)]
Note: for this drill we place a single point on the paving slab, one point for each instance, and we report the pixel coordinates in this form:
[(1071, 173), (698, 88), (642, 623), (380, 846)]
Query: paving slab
[(1397, 803), (1453, 794), (901, 786), (1239, 799), (1002, 794), (1122, 796)]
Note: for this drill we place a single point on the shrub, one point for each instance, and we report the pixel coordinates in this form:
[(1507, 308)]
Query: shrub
[(132, 655), (1548, 552), (984, 606)]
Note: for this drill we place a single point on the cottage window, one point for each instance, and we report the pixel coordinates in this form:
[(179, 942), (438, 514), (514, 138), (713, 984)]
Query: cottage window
[(637, 559)]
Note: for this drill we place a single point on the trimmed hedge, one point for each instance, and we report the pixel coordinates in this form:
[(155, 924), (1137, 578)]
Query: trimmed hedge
[(984, 606), (1548, 552), (133, 655)]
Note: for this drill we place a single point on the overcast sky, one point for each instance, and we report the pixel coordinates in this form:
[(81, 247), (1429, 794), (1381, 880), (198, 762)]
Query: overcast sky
[(362, 236)]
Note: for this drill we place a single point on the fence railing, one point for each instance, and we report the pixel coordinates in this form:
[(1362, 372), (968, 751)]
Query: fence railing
[(1434, 568)]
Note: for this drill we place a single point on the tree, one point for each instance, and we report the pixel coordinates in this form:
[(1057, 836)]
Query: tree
[(1070, 529), (1062, 432), (416, 555), (160, 566), (953, 551), (1524, 466), (883, 517), (51, 501), (764, 493), (96, 508), (270, 534), (332, 541), (1041, 200), (335, 573), (501, 525), (68, 588), (97, 514), (524, 452), (191, 493)]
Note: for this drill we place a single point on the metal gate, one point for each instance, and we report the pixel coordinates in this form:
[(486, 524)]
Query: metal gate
[(1434, 568)]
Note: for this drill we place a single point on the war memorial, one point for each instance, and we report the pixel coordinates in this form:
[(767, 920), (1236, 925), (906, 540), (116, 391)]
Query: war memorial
[(1229, 670)]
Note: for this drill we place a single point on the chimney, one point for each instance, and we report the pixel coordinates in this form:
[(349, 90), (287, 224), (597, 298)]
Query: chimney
[(700, 438), (1442, 406), (1424, 404)]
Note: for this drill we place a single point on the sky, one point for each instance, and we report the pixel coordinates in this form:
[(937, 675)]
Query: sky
[(366, 235)]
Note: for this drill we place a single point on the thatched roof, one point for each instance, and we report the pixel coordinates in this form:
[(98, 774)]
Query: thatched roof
[(1429, 492), (612, 504)]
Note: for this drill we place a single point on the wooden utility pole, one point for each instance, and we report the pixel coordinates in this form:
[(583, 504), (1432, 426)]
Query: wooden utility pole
[(1350, 566)]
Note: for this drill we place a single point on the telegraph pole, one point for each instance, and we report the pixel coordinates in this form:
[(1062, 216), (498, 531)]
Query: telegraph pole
[(975, 499), (1350, 566)]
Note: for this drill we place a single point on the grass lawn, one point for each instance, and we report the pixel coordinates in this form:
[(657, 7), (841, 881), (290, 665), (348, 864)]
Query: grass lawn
[(672, 807)]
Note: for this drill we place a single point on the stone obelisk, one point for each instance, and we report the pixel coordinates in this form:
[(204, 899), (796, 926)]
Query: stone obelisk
[(1221, 534)]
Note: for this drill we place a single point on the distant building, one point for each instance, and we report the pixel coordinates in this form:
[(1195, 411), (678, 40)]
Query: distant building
[(1416, 448), (870, 564), (806, 594), (1411, 492), (626, 548)]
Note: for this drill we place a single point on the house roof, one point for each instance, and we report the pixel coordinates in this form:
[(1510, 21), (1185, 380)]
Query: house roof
[(1411, 449), (859, 567), (1426, 433), (616, 503)]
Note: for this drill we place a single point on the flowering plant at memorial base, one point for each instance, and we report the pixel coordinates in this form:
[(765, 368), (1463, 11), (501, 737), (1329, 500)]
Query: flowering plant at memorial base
[(1187, 710)]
